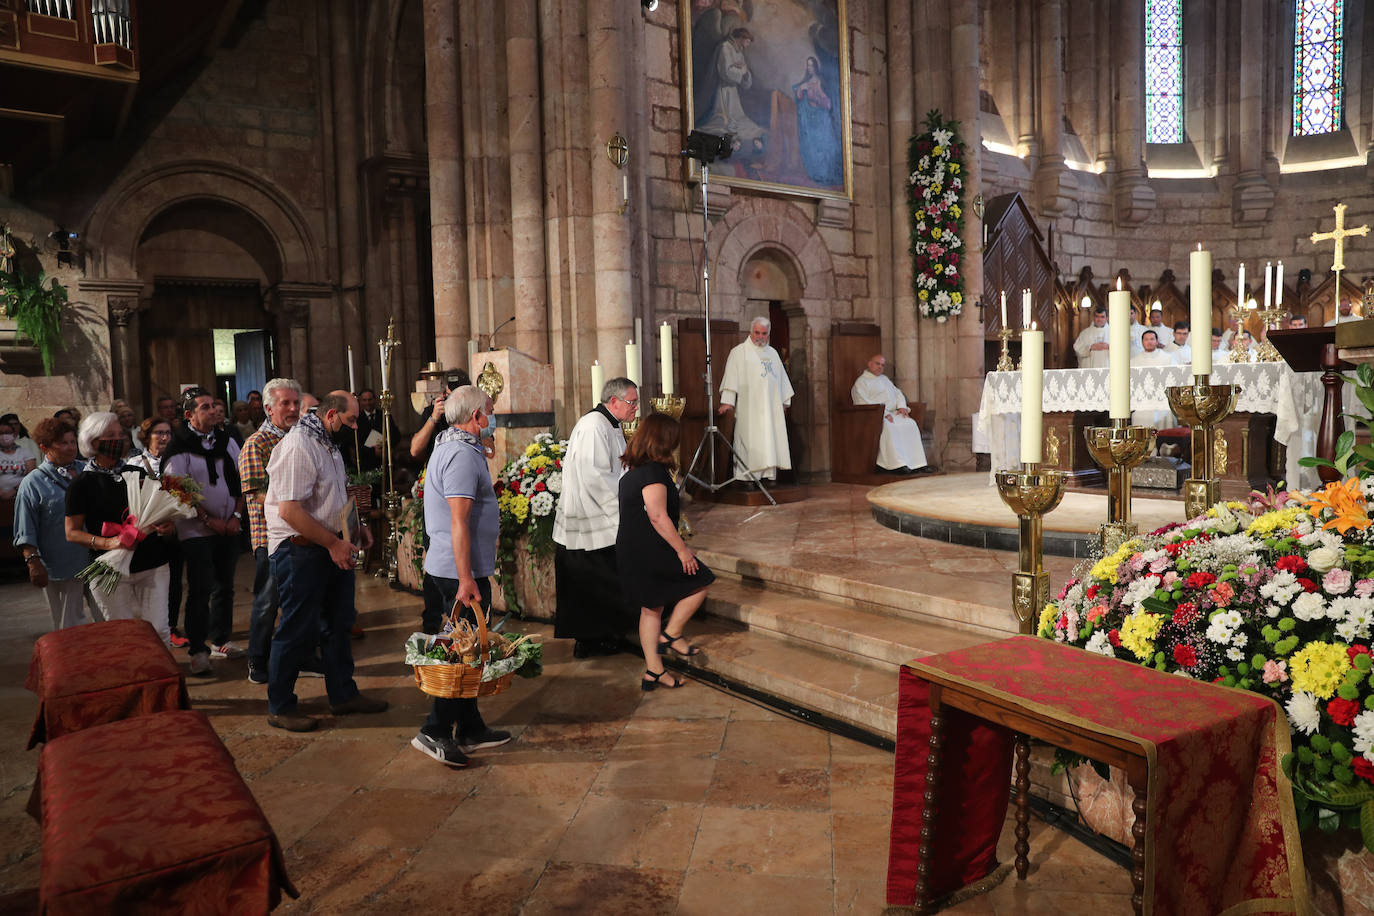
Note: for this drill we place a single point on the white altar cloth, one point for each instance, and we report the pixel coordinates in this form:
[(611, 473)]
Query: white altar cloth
[(1294, 398)]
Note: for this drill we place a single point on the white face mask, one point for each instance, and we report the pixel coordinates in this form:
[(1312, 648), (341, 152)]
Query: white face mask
[(6, 440)]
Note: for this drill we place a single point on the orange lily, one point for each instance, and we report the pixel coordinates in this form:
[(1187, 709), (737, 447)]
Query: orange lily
[(1344, 499)]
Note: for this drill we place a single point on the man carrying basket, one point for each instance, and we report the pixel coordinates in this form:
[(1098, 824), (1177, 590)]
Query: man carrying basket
[(462, 521)]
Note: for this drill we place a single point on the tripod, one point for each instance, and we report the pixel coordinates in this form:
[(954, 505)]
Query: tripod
[(712, 431)]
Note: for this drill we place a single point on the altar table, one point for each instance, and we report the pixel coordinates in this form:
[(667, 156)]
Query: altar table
[(1215, 831), (149, 815), (1294, 398), (101, 672)]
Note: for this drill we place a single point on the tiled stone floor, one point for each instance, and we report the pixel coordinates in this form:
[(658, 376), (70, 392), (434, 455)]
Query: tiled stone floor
[(608, 801)]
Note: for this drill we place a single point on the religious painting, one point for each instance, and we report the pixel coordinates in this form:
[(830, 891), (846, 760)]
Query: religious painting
[(774, 75)]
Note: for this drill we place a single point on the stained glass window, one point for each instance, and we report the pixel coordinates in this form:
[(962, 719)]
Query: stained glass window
[(1318, 52), (1164, 71)]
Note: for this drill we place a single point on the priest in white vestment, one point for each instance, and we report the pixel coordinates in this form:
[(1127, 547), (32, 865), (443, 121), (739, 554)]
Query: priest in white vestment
[(585, 523), (900, 447), (1091, 344), (1345, 311), (1151, 355), (756, 382)]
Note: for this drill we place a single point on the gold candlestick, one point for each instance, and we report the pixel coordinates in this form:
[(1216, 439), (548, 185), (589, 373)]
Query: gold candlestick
[(1030, 493), (1117, 449), (1266, 352), (1202, 406), (1004, 364), (391, 499)]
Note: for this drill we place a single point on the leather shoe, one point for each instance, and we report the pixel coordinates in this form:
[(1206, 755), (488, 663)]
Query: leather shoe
[(359, 704), (293, 722)]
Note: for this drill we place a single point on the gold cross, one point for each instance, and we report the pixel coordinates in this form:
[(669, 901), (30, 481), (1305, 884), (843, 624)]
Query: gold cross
[(1338, 235)]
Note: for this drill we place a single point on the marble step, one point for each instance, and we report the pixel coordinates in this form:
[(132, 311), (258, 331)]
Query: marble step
[(830, 626), (981, 608)]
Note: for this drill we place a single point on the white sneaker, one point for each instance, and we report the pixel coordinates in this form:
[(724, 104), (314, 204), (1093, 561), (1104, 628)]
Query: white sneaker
[(226, 650), (200, 664)]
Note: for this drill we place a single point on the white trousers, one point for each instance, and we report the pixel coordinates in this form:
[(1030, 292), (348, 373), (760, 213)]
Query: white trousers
[(142, 595), (66, 602), (900, 444)]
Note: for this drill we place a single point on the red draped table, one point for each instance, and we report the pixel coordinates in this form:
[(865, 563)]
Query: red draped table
[(1215, 829), (101, 672), (149, 815)]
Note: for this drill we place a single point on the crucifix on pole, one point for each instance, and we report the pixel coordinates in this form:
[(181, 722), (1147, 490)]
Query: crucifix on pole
[(1338, 235)]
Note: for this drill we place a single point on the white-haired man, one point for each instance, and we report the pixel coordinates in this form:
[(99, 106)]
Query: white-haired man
[(899, 447), (755, 385)]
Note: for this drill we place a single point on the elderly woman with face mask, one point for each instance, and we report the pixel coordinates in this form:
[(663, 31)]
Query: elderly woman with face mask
[(97, 496), (39, 511), (15, 462)]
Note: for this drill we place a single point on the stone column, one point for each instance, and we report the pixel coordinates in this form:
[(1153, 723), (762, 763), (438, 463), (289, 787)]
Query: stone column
[(122, 303), (526, 178), (1252, 197), (964, 391), (901, 125), (1135, 198), (1055, 187), (349, 215), (297, 359), (448, 238)]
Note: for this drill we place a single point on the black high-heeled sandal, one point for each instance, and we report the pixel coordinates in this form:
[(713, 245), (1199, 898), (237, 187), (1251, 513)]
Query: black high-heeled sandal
[(666, 642), (654, 684)]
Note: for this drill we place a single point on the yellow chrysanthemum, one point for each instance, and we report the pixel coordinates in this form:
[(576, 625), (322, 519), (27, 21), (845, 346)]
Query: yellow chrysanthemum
[(532, 449), (1319, 668), (956, 210), (924, 294), (956, 297), (937, 232), (520, 506), (1269, 522), (1138, 634), (539, 461), (955, 168), (1047, 619), (920, 214), (1345, 501), (1105, 568), (938, 151)]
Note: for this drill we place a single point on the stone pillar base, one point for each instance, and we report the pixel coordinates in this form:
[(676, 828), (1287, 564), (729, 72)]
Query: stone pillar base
[(1055, 187), (1251, 200), (1135, 200)]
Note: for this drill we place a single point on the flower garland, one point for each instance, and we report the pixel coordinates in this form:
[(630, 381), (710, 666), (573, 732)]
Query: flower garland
[(936, 180), (527, 490)]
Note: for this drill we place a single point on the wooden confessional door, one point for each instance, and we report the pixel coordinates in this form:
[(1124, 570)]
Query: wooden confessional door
[(176, 333)]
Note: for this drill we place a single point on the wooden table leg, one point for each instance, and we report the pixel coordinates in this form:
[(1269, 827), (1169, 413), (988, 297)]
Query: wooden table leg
[(926, 850), (1139, 807), (1022, 745)]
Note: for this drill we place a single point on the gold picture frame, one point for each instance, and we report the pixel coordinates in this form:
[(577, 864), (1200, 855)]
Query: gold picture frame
[(784, 92)]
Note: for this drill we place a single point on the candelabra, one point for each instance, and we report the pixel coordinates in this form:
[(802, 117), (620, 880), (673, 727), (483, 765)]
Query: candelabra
[(1117, 449), (1202, 406), (1265, 352), (1004, 363), (391, 500), (1030, 493)]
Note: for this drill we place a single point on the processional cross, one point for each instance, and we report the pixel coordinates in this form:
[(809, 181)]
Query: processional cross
[(1338, 235)]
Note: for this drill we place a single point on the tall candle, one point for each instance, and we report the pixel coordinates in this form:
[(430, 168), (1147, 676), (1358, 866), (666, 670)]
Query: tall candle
[(1240, 286), (632, 361), (665, 356), (1278, 286), (1004, 308), (352, 384), (598, 381), (1025, 308), (1268, 280), (1032, 386), (1119, 351), (1200, 308)]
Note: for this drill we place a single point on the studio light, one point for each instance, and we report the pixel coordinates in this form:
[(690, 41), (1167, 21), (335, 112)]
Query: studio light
[(707, 148), (649, 5)]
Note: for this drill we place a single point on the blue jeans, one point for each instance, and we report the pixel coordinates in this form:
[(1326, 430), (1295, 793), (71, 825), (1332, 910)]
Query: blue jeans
[(210, 565), (446, 713), (316, 609), (264, 616)]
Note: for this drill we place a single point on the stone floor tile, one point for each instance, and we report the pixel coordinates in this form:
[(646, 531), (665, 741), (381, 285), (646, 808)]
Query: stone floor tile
[(645, 738), (337, 760), (384, 818), (294, 808), (741, 784), (859, 843), (466, 883), (708, 892), (525, 827), (696, 700), (577, 889), (333, 875), (764, 841), (861, 788), (862, 896), (779, 743), (673, 780), (554, 735), (630, 832), (255, 754)]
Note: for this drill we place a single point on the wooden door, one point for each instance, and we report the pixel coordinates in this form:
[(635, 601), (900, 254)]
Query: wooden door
[(691, 367), (176, 333)]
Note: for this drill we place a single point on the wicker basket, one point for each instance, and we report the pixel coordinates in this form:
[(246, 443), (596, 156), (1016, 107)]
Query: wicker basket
[(462, 681)]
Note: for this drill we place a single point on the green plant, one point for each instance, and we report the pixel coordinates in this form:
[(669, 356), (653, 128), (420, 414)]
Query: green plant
[(365, 478), (1353, 458), (36, 308), (528, 488)]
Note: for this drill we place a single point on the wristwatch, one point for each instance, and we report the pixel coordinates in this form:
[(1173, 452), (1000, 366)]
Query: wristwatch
[(238, 516)]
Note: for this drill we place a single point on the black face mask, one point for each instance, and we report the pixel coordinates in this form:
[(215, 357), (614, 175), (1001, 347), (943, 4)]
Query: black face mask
[(343, 436), (111, 448)]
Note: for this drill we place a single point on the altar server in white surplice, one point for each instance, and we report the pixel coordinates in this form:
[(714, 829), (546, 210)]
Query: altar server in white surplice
[(1179, 349), (1151, 355), (899, 447), (756, 382), (1091, 344), (1345, 311)]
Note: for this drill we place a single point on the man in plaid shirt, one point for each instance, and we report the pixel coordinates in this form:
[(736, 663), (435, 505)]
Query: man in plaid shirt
[(283, 402)]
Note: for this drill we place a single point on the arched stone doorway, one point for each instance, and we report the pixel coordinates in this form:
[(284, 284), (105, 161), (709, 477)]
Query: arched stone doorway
[(773, 289)]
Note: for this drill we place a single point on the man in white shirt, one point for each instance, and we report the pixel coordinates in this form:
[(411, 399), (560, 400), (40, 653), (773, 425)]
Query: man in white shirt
[(899, 447), (755, 377), (585, 524), (312, 560), (1179, 349), (1151, 355), (1091, 344), (1221, 354), (1345, 311)]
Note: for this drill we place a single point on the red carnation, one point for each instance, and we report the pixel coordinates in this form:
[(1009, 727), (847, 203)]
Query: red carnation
[(1307, 585), (1092, 591), (1185, 655), (1114, 637), (558, 464), (1292, 563), (1200, 580), (1342, 712), (515, 486), (1184, 614), (1353, 651), (1364, 769), (540, 487)]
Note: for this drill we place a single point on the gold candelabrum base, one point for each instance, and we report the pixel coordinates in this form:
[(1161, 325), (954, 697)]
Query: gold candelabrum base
[(1031, 493), (1266, 352), (673, 406), (1117, 449), (1202, 406), (391, 500), (1004, 363)]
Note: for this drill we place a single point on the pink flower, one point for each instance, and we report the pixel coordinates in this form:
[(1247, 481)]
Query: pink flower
[(1337, 581), (1159, 564), (1364, 588), (1170, 578), (1275, 672), (1223, 594), (1137, 562), (1096, 613)]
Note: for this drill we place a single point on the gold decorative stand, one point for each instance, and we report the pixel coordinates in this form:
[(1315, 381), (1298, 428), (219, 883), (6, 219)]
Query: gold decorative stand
[(1117, 449), (391, 499), (673, 406), (1030, 493), (1265, 352), (1004, 363), (1203, 406)]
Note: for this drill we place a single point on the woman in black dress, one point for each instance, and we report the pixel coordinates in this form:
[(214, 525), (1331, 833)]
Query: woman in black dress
[(657, 570)]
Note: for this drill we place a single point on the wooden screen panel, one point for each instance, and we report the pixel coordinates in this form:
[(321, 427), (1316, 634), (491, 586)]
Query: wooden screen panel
[(854, 430), (691, 367), (175, 332)]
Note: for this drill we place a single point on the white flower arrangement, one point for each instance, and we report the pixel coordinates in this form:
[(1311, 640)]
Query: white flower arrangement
[(936, 181)]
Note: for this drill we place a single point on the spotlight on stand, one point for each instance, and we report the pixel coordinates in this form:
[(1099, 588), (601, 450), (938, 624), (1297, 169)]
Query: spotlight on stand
[(649, 5), (707, 148)]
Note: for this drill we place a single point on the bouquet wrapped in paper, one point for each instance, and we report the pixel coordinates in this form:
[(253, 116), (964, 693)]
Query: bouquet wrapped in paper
[(151, 503)]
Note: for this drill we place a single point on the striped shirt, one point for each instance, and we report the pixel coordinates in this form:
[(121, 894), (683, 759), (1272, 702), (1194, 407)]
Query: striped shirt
[(302, 469), (253, 458)]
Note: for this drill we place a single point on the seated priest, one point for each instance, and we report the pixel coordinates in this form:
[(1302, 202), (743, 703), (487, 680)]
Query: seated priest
[(899, 448), (1345, 311), (1091, 344), (1151, 355)]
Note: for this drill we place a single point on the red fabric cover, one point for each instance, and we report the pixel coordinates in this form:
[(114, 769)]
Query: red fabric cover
[(101, 672), (1221, 829), (148, 815)]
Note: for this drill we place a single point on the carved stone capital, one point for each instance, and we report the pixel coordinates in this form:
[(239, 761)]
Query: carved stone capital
[(297, 312), (1135, 199), (122, 309), (1251, 200)]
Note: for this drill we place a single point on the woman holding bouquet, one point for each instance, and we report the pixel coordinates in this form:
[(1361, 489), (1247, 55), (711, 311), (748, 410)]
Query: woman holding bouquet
[(97, 496), (156, 434)]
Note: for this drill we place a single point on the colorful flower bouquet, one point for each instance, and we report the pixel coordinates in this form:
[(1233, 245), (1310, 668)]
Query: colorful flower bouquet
[(936, 184), (527, 491), (152, 502)]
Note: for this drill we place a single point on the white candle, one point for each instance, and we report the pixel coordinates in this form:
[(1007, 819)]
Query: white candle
[(598, 381), (1278, 286), (1119, 351), (381, 350), (1025, 308), (1087, 302), (625, 188), (665, 356), (632, 361), (352, 385), (1200, 308), (1004, 308), (1240, 286), (1032, 386), (1268, 280)]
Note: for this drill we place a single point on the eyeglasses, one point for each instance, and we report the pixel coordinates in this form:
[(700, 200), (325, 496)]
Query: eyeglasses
[(634, 403)]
